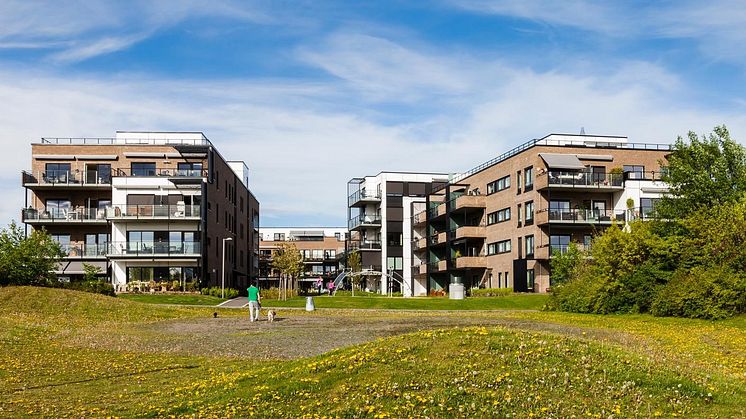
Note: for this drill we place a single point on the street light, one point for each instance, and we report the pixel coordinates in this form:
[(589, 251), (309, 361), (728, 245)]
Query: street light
[(222, 288)]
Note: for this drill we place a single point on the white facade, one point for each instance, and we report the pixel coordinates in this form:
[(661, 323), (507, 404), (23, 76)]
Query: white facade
[(289, 233), (377, 231)]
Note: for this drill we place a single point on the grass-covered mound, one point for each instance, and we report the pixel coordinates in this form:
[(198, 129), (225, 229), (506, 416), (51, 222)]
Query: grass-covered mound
[(52, 363)]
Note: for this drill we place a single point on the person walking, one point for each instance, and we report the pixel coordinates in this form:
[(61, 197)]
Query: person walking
[(255, 302)]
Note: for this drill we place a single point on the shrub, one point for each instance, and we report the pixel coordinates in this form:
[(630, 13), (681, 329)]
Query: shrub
[(491, 292), (705, 293), (217, 292), (96, 287), (632, 292), (577, 295)]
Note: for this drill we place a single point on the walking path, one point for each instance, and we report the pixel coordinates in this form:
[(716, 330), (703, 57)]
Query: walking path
[(238, 302)]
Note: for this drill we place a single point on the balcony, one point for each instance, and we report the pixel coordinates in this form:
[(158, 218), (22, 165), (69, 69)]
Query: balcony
[(64, 179), (579, 217), (154, 249), (170, 172), (364, 221), (565, 180), (467, 232), (436, 267), (419, 244), (437, 239), (365, 245), (85, 251), (419, 219), (153, 212), (468, 202), (362, 198), (561, 249), (464, 262), (63, 216)]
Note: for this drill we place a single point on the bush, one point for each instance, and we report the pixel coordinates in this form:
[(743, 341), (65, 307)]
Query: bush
[(96, 287), (704, 293), (491, 292), (577, 295), (632, 292), (217, 292)]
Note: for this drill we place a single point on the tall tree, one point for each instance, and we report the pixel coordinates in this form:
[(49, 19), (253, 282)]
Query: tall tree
[(703, 172), (27, 260), (289, 262)]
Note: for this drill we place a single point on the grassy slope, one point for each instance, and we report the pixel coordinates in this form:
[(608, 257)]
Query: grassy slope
[(510, 302), (185, 299), (474, 371)]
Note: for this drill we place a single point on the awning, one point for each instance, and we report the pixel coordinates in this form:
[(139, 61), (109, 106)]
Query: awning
[(562, 161)]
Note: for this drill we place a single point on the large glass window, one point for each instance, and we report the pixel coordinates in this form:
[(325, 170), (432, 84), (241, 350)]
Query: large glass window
[(498, 185), (98, 173), (559, 243), (647, 206), (634, 171), (529, 206), (528, 178), (189, 169), (58, 208), (530, 278), (394, 263), (143, 169), (57, 172)]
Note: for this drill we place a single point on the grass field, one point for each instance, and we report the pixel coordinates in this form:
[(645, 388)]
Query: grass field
[(64, 353), (185, 299), (509, 302)]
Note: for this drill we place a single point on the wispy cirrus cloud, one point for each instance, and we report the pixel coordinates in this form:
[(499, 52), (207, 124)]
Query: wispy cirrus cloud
[(78, 30)]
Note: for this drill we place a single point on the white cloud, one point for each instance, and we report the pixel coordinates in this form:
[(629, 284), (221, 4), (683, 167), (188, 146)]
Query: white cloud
[(304, 139)]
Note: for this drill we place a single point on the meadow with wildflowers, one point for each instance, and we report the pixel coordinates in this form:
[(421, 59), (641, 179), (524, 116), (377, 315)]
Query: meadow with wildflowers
[(65, 353)]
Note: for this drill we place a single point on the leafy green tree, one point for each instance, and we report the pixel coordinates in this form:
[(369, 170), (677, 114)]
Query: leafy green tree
[(90, 272), (716, 236), (289, 262), (27, 260), (354, 263), (702, 172), (564, 265)]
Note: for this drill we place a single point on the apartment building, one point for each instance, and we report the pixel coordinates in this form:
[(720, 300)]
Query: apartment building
[(145, 206), (379, 213), (322, 248), (499, 224)]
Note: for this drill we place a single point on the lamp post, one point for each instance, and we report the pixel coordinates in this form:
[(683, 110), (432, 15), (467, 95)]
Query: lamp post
[(222, 288)]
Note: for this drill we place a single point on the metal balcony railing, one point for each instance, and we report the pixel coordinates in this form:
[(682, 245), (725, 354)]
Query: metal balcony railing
[(123, 141), (67, 177), (586, 215), (153, 211), (154, 248), (365, 245)]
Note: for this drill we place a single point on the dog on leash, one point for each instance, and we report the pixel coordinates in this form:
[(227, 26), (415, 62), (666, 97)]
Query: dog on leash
[(271, 315)]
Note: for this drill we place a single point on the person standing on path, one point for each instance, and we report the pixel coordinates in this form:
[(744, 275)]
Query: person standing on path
[(255, 301)]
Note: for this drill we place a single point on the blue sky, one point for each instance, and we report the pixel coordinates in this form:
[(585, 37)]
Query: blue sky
[(313, 93)]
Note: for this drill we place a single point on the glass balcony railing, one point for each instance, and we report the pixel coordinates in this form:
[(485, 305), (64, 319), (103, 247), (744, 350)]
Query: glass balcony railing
[(585, 179), (63, 215), (160, 172), (365, 245), (85, 250), (67, 178), (153, 211), (154, 249), (586, 215), (362, 196), (363, 220)]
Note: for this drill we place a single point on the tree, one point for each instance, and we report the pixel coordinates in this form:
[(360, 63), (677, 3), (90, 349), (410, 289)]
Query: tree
[(289, 262), (564, 265), (703, 172), (27, 260), (355, 264)]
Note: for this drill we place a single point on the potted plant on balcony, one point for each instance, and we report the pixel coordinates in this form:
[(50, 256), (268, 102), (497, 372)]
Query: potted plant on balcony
[(616, 175)]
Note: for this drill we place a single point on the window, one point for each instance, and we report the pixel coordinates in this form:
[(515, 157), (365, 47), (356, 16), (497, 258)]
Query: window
[(529, 206), (518, 180), (647, 206), (338, 236), (57, 172), (499, 279), (519, 215), (528, 178), (587, 240), (499, 247), (529, 246), (97, 173), (394, 188), (560, 210), (530, 279), (394, 239), (634, 171), (96, 244), (330, 254), (498, 216), (143, 169), (58, 208), (279, 237), (498, 185), (394, 263), (559, 244), (189, 169), (63, 240), (506, 280)]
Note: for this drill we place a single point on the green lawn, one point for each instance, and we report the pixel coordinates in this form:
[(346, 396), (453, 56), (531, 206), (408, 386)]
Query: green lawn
[(186, 299), (70, 354), (509, 302)]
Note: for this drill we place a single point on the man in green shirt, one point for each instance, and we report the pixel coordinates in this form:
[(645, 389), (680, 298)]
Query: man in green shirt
[(254, 302)]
